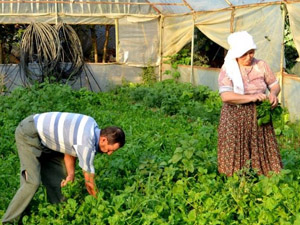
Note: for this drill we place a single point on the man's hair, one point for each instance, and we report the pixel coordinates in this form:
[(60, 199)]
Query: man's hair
[(114, 135)]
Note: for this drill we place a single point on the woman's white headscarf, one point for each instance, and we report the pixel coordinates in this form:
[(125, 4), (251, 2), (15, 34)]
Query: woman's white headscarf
[(240, 43)]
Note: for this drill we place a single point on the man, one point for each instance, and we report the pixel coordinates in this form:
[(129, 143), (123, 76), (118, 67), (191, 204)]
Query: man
[(48, 145)]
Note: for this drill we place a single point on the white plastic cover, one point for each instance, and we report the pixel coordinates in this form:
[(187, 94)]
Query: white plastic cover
[(139, 41), (264, 23), (294, 12), (177, 31)]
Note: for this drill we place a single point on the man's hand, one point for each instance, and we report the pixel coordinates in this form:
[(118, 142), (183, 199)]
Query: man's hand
[(70, 167), (90, 183), (66, 181)]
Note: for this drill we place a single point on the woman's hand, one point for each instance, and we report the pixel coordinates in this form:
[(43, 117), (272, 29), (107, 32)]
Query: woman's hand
[(258, 97), (274, 91), (273, 100)]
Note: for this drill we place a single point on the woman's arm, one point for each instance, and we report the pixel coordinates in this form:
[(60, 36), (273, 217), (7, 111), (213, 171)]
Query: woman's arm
[(274, 91), (234, 98), (70, 167)]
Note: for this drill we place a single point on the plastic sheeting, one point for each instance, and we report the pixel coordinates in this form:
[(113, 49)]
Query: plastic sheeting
[(66, 10), (264, 23), (139, 41), (294, 12), (176, 33), (17, 11), (187, 6)]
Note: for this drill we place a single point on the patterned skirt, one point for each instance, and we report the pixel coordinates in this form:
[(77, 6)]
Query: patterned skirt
[(242, 143)]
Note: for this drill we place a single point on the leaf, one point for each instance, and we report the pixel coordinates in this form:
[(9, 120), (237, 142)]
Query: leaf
[(192, 215), (188, 165), (176, 158), (270, 204), (266, 119), (178, 150), (278, 131), (189, 153)]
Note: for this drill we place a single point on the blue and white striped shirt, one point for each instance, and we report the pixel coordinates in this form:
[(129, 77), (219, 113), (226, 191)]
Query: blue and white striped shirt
[(70, 133)]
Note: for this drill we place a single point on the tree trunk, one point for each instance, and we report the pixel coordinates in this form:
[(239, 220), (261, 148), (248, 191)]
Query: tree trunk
[(107, 27)]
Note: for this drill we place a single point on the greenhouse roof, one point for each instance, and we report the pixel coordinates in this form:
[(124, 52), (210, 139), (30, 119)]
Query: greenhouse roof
[(187, 6), (124, 7)]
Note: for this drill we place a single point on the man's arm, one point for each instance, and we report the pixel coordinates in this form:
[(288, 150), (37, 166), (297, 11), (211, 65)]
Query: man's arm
[(70, 167), (90, 183)]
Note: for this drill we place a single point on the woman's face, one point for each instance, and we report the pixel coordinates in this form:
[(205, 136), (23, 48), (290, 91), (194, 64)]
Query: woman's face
[(246, 59)]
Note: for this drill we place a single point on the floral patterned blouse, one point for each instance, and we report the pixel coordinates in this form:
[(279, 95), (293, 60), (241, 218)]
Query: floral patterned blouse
[(256, 78)]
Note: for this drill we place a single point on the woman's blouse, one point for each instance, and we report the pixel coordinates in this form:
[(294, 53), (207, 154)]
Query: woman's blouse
[(256, 78)]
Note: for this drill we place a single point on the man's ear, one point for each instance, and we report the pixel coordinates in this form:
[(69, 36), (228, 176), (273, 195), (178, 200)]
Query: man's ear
[(103, 139)]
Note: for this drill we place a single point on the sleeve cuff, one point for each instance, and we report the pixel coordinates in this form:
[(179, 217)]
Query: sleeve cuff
[(271, 85), (225, 89)]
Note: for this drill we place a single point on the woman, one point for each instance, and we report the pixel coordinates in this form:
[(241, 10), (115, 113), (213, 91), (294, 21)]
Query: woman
[(243, 81)]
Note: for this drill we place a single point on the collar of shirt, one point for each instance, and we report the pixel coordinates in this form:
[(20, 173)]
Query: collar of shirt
[(97, 136)]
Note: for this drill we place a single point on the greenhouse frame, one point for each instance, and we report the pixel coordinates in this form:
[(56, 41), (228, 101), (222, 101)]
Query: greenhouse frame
[(146, 31)]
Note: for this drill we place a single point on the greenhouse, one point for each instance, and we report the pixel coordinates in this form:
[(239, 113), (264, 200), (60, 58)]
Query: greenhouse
[(167, 172), (148, 31)]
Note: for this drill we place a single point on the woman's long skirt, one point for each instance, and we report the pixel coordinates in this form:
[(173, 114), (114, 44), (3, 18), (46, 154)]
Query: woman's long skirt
[(244, 144)]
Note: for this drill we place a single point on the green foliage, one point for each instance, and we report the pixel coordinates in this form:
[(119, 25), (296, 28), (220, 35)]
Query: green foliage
[(176, 60), (10, 37), (290, 51), (181, 58), (180, 98), (167, 171), (266, 114), (148, 75)]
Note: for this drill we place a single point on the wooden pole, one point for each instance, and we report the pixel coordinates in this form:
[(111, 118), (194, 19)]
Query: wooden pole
[(160, 47), (107, 27), (94, 41), (1, 52), (232, 20), (117, 39), (192, 52), (281, 96)]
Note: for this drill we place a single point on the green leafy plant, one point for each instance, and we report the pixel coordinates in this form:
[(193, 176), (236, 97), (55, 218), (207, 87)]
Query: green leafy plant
[(266, 114), (290, 51), (148, 75)]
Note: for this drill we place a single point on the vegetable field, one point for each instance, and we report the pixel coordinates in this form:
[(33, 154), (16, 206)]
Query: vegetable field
[(167, 171)]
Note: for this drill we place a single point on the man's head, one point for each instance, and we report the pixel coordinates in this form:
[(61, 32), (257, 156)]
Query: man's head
[(111, 139)]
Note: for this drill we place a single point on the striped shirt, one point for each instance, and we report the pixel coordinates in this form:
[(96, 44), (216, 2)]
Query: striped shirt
[(70, 133)]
